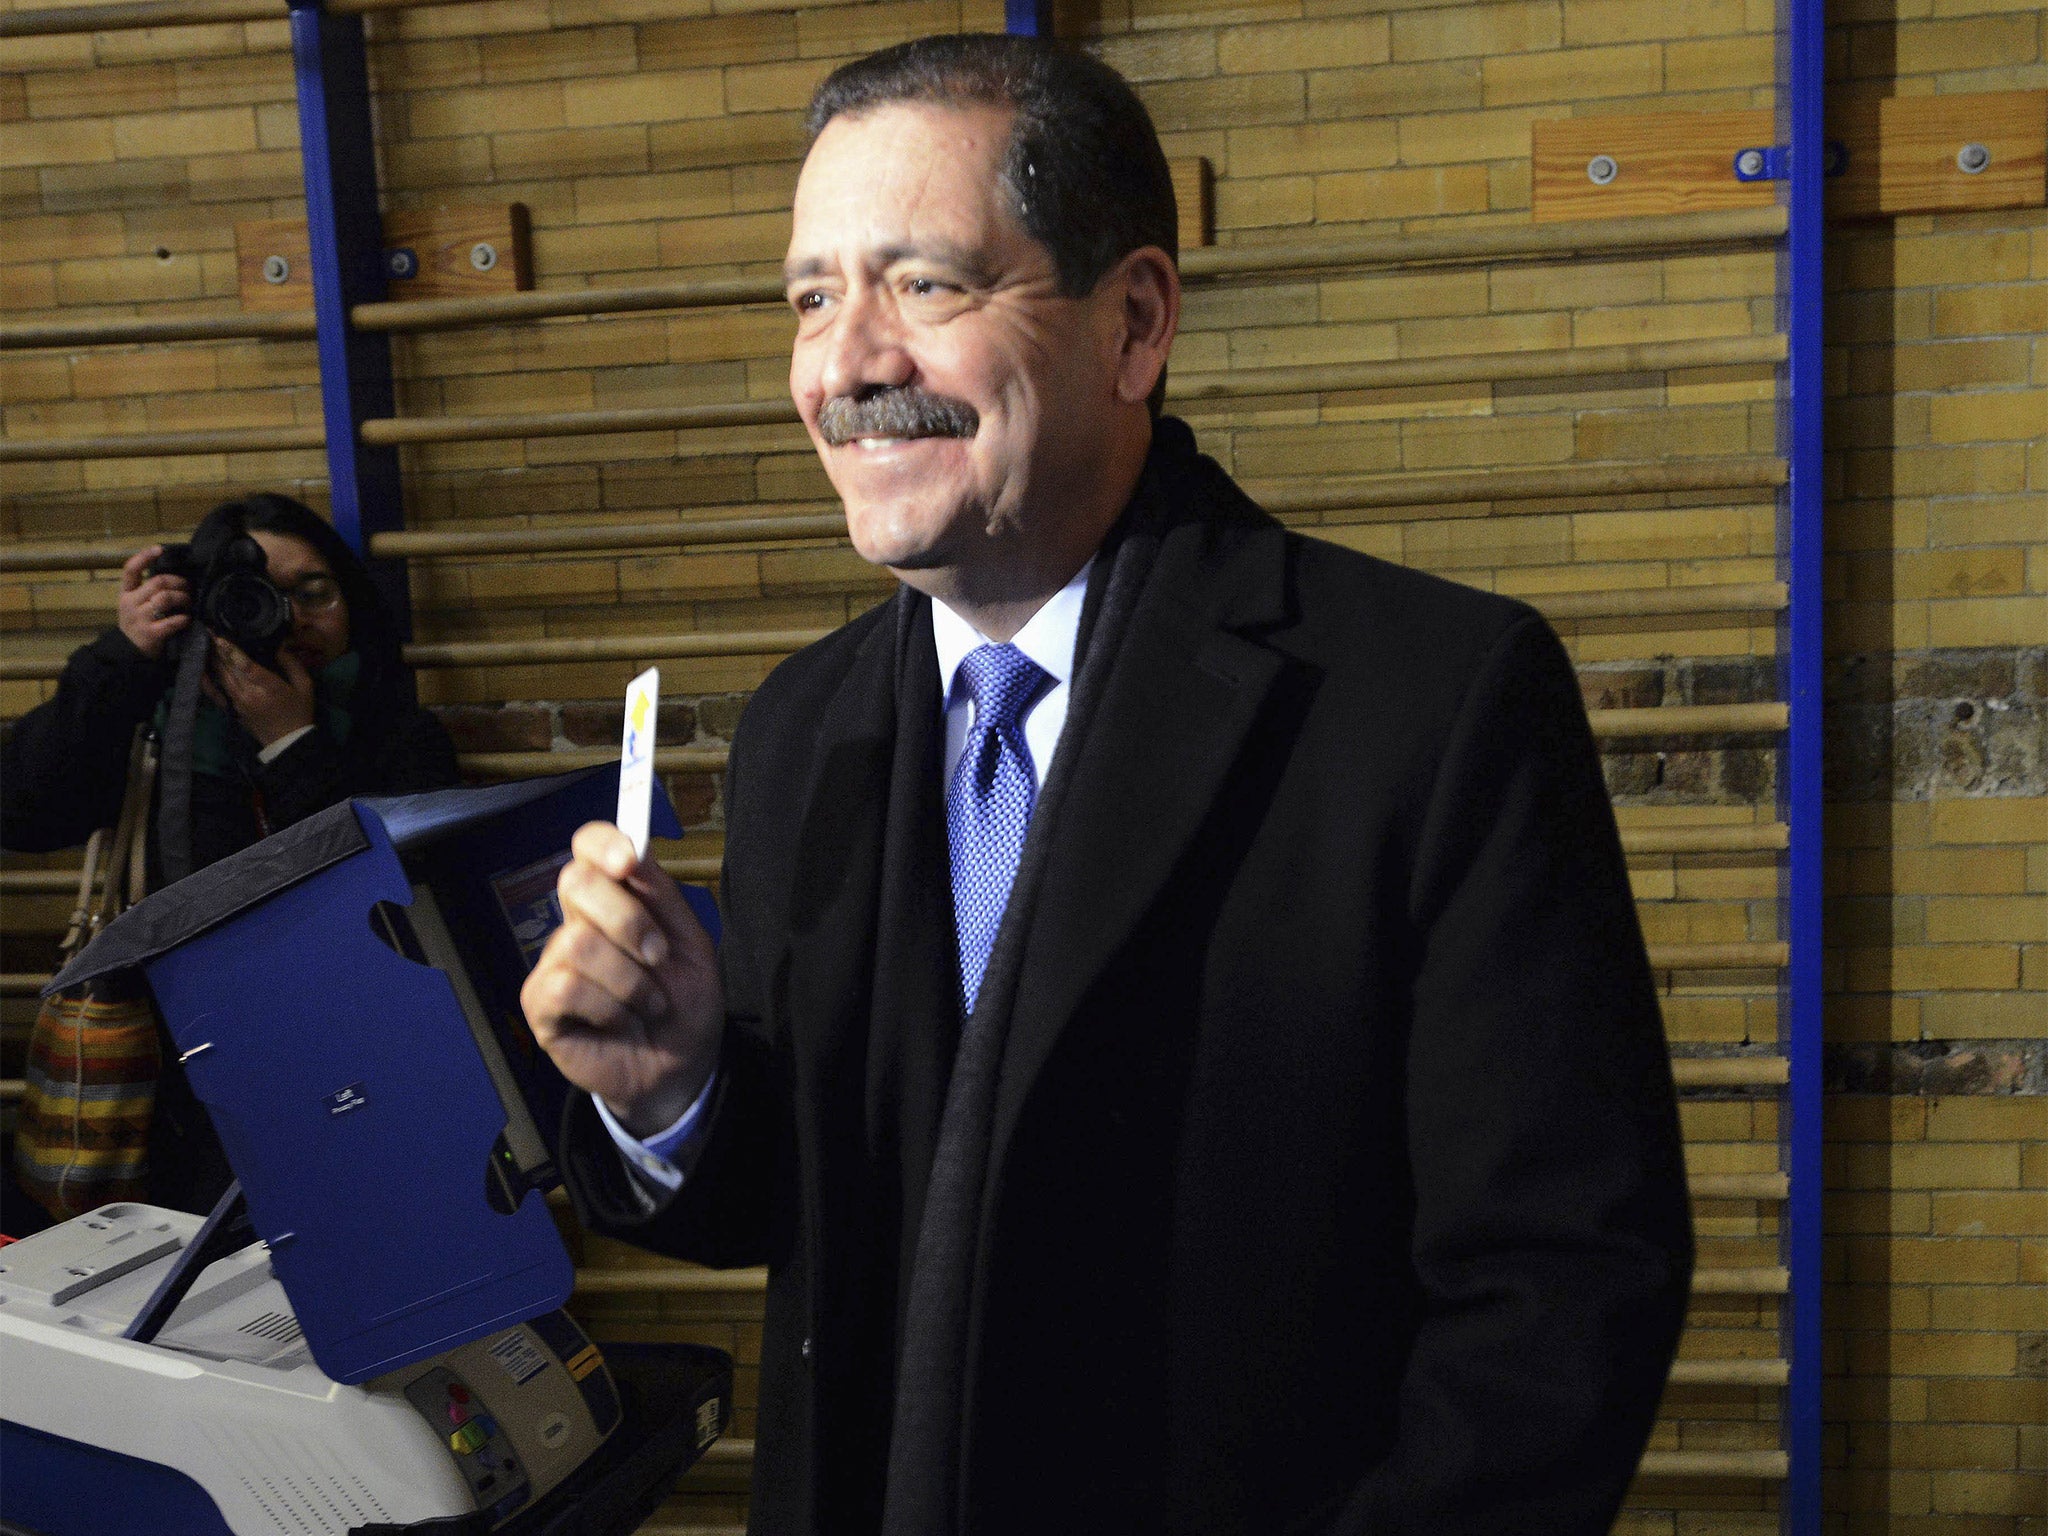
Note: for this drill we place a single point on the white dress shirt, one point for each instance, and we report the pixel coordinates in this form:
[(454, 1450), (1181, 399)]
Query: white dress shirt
[(1048, 638)]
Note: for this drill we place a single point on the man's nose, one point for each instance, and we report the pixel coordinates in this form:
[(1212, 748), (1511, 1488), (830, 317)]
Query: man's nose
[(864, 349)]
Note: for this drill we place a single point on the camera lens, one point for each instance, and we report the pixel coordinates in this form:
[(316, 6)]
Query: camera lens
[(248, 611)]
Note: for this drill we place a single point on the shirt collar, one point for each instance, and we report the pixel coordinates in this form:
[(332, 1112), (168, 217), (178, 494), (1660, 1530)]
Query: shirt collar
[(1047, 637)]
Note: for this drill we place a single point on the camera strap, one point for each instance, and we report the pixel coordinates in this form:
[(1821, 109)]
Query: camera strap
[(181, 722)]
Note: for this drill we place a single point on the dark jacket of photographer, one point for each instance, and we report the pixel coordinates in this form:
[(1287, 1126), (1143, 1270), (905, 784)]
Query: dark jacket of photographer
[(63, 771), (66, 761)]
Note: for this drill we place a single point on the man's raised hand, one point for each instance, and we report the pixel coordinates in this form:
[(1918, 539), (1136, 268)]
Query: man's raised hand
[(626, 996)]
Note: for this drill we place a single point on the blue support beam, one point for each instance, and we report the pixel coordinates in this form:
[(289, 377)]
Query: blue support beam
[(1028, 18), (1802, 81), (346, 231)]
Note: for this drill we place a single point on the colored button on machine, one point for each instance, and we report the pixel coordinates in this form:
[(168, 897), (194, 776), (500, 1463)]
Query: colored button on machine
[(486, 1423), (457, 1392), (457, 1414), (468, 1439)]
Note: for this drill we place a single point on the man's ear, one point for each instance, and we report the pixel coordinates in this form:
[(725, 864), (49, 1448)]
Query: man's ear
[(1150, 286)]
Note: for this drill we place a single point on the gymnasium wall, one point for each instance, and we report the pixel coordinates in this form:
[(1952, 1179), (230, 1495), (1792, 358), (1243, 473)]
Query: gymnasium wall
[(658, 138)]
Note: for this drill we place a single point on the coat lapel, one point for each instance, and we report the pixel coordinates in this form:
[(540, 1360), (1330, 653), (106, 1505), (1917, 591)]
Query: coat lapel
[(827, 961), (1181, 694)]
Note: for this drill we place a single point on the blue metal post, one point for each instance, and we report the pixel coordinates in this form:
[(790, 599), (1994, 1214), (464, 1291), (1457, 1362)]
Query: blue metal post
[(347, 237), (1802, 77), (1028, 18)]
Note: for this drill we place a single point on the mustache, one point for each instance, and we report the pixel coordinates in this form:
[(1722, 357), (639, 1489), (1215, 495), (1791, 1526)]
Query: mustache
[(905, 412)]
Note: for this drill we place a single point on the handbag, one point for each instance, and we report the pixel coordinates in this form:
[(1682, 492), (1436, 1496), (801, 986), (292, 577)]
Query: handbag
[(82, 1136)]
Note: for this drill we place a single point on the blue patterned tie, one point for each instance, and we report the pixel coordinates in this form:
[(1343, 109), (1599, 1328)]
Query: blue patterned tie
[(988, 805)]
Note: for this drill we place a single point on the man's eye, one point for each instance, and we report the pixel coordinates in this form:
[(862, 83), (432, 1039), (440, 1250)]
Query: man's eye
[(925, 287), (806, 303)]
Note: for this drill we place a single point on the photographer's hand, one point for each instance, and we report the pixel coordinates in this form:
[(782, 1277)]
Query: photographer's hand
[(151, 609), (268, 706), (626, 997)]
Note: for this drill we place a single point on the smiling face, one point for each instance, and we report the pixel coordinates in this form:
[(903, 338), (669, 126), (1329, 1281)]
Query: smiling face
[(981, 428), (319, 634)]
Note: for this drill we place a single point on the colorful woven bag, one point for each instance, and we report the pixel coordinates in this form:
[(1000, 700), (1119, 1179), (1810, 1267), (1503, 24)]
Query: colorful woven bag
[(82, 1136)]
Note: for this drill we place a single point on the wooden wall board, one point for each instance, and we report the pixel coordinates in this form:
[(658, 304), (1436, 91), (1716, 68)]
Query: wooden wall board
[(1194, 195), (1902, 158), (441, 238), (1665, 162), (1903, 149)]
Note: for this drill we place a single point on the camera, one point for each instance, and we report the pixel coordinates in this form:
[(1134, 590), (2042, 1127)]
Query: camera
[(232, 594)]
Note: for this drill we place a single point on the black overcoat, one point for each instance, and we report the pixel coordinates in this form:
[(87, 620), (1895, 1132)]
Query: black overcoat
[(1336, 1182)]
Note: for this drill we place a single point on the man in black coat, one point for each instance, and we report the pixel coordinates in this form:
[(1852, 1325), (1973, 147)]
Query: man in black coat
[(1182, 1043)]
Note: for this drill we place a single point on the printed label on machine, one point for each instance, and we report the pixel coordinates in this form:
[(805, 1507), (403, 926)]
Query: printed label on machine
[(518, 1358), (527, 897)]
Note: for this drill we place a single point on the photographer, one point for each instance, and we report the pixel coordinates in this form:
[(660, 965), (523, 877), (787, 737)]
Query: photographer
[(332, 716)]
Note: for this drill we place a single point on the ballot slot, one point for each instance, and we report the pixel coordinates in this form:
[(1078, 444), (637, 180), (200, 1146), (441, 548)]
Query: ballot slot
[(520, 1160)]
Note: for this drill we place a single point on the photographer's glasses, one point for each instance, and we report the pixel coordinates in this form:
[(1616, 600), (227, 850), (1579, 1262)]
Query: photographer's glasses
[(315, 594)]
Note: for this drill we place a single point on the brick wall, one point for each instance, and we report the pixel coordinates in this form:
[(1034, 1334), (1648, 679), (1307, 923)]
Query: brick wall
[(650, 137)]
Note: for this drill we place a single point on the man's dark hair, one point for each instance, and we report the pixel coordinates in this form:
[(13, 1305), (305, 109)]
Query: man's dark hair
[(1084, 161)]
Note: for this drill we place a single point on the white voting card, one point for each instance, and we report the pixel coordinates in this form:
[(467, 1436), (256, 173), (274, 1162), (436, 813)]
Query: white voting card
[(636, 757)]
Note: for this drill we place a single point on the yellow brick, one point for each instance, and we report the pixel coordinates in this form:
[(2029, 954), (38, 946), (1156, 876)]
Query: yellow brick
[(1720, 63), (1176, 55), (728, 141), (99, 373), (1935, 1260), (1992, 309), (100, 92), (673, 195), (1949, 573), (34, 376), (1988, 621), (1401, 194), (1989, 1402), (1947, 471), (554, 56), (773, 87), (1575, 74), (1986, 1016), (593, 151), (1970, 1119), (1443, 137), (1668, 433), (1458, 445), (1943, 365), (1986, 1493), (1934, 968), (1924, 47), (1339, 44), (1265, 203), (1942, 1447), (429, 64), (1660, 322), (1392, 90), (1484, 333), (1976, 1213), (1304, 148), (644, 98), (743, 237), (212, 131), (128, 280), (1316, 451), (1989, 415), (1404, 296), (597, 248), (486, 109), (1228, 101), (1957, 919), (1477, 30), (841, 31), (712, 40), (63, 141)]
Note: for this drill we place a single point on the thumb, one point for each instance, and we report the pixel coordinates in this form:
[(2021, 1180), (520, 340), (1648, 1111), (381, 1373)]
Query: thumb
[(295, 672)]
